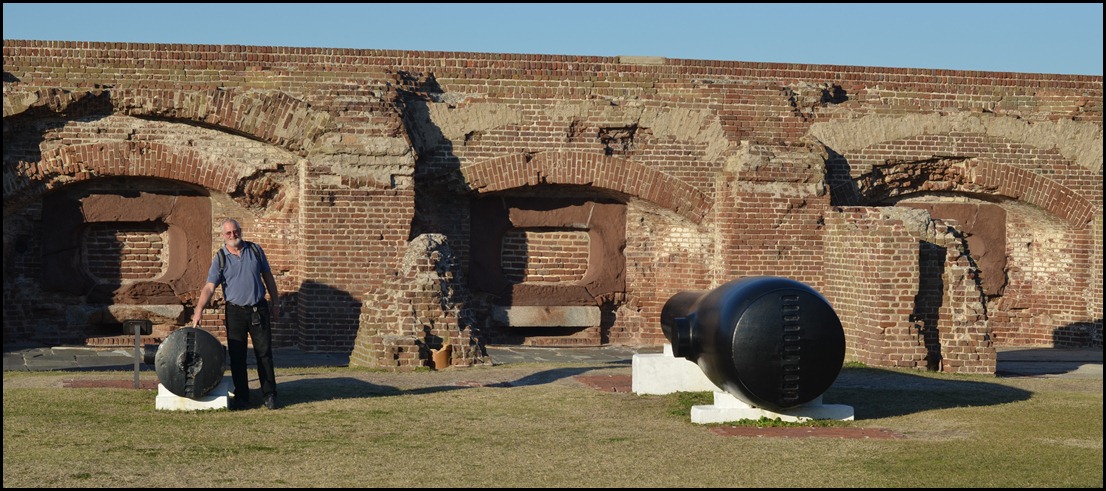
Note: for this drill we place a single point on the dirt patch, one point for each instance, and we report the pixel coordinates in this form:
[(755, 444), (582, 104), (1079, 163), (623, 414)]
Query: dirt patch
[(807, 432), (607, 383), (110, 384)]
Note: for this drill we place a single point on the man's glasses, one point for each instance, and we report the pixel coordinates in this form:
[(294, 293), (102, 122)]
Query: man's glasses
[(232, 233)]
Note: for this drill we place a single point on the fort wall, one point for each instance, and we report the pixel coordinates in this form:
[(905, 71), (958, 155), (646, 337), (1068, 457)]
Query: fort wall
[(407, 199)]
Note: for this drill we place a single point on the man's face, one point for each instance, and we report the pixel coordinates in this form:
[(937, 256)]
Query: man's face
[(232, 235)]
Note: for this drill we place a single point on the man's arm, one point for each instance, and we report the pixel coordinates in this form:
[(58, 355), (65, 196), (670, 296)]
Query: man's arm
[(205, 294), (274, 297)]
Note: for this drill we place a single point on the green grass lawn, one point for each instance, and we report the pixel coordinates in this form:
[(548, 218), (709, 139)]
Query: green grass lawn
[(535, 425)]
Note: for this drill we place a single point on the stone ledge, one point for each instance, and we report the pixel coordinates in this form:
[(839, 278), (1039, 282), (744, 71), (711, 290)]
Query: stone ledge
[(546, 316)]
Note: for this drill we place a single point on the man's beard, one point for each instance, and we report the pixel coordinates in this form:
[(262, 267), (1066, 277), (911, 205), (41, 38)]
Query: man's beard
[(235, 243)]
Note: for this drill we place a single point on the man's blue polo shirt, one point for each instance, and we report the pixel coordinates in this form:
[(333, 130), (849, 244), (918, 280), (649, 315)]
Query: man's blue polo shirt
[(242, 275)]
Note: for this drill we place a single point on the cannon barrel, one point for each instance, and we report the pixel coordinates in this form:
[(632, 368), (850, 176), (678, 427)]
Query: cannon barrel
[(190, 362), (771, 342)]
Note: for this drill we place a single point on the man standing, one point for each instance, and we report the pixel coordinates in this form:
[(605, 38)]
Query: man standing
[(243, 270)]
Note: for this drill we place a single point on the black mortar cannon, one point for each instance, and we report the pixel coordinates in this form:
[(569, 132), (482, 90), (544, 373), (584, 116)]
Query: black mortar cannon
[(190, 362), (771, 342)]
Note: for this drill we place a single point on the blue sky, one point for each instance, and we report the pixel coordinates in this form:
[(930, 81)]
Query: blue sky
[(1033, 38)]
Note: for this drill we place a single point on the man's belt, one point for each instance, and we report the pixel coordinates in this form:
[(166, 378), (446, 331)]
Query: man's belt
[(247, 307)]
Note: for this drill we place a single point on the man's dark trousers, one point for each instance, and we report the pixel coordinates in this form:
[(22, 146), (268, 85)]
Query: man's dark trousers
[(253, 320)]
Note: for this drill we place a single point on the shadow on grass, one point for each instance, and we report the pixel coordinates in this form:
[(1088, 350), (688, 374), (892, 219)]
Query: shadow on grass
[(547, 376), (537, 378), (874, 393), (329, 389), (332, 388)]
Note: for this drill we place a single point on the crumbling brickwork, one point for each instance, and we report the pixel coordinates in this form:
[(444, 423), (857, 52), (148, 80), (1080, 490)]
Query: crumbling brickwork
[(339, 162), (420, 310)]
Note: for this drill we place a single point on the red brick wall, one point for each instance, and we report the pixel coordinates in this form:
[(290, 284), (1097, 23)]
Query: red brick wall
[(126, 253), (906, 291), (872, 279), (334, 159), (353, 240), (545, 256)]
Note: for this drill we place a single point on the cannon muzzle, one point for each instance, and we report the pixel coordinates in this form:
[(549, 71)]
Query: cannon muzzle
[(190, 362)]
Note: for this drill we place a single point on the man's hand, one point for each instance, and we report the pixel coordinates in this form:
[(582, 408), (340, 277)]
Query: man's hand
[(205, 295)]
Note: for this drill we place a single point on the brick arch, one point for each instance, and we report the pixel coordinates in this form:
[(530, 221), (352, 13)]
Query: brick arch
[(18, 101), (578, 168), (73, 163), (1079, 142), (1029, 187), (266, 115), (978, 176)]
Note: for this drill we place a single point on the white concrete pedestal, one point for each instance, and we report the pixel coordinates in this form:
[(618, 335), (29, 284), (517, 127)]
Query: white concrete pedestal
[(726, 407), (663, 373), (218, 398)]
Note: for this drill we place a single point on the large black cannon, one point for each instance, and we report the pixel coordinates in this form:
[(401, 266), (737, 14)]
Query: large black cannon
[(189, 363), (771, 342)]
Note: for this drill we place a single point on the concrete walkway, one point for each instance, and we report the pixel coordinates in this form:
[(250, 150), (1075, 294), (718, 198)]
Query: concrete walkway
[(1049, 362), (35, 358), (1012, 362)]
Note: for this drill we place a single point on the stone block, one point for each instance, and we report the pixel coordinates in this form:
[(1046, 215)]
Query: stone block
[(663, 373), (218, 398), (726, 408)]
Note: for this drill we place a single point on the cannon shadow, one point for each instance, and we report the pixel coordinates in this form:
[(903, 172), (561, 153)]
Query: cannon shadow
[(874, 393)]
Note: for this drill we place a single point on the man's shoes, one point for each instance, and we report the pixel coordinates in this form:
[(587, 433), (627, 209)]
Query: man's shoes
[(237, 404), (270, 401)]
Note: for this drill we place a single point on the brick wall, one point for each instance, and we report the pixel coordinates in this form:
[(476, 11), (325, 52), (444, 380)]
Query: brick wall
[(335, 160), (872, 278), (545, 256), (124, 253)]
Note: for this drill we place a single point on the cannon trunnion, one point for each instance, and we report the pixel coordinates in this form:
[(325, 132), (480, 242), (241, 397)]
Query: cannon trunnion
[(771, 342)]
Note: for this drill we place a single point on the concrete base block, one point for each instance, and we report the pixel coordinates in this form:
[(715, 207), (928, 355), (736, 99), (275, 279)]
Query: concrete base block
[(726, 407), (663, 373), (218, 398)]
